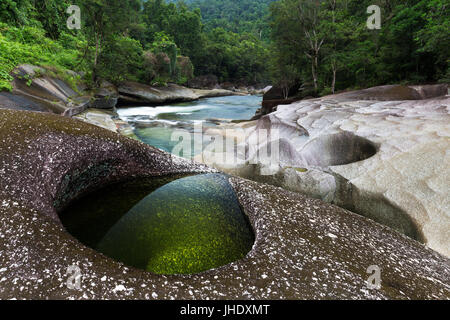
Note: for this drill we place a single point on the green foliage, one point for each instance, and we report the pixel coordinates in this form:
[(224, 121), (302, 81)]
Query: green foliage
[(233, 57), (121, 59), (185, 70), (163, 46), (238, 16), (434, 37), (29, 45), (16, 12), (230, 53), (323, 44), (330, 47), (48, 15)]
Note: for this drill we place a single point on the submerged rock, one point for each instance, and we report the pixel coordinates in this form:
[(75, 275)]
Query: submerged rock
[(304, 248), (183, 226)]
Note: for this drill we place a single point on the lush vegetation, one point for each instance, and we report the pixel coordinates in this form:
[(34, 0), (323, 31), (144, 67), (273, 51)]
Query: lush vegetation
[(229, 39), (323, 44), (243, 16), (30, 45), (28, 33), (327, 46), (149, 41)]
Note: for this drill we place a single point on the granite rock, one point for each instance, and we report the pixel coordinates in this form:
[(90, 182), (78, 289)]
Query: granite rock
[(34, 90), (388, 158), (304, 248), (138, 93)]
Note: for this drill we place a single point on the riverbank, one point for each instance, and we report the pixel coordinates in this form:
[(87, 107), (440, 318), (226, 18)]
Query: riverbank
[(38, 89), (133, 93)]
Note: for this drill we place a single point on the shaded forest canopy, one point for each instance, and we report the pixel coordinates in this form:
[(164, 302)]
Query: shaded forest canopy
[(323, 44), (236, 16)]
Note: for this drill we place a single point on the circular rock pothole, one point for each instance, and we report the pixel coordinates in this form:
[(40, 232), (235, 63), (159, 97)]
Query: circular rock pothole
[(337, 149), (167, 225)]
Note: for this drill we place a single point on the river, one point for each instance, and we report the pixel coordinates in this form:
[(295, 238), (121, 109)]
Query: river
[(155, 125)]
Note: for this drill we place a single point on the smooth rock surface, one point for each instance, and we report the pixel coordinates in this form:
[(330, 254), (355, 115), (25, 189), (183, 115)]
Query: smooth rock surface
[(33, 90), (209, 81), (98, 117), (275, 97), (18, 102), (387, 160), (137, 93), (304, 248)]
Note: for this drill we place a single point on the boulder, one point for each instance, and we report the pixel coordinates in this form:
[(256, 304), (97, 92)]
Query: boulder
[(47, 94), (388, 158), (99, 117), (214, 93), (277, 93), (381, 93), (133, 92), (303, 249), (258, 89), (269, 106), (275, 96), (137, 93), (431, 91), (105, 97), (266, 89), (228, 86)]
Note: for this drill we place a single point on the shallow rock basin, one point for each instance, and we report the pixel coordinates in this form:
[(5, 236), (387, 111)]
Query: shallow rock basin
[(167, 225), (337, 149)]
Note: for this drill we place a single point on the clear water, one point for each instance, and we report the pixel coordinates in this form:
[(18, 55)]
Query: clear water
[(155, 125), (166, 225)]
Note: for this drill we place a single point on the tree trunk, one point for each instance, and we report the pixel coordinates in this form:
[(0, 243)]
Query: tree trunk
[(333, 83), (98, 47), (314, 75), (94, 69), (334, 63), (316, 67), (286, 92)]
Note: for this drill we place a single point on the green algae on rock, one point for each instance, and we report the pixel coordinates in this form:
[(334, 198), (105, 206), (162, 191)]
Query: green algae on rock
[(185, 226)]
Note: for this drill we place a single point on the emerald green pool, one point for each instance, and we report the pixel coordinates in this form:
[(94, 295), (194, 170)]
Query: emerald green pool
[(168, 225)]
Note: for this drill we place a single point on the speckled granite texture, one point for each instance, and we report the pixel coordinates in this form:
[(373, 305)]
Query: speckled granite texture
[(304, 248)]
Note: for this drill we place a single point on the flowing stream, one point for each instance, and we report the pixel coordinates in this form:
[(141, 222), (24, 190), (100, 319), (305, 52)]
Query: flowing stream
[(156, 125)]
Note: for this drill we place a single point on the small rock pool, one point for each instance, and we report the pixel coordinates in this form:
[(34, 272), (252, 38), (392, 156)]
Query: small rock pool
[(165, 225)]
